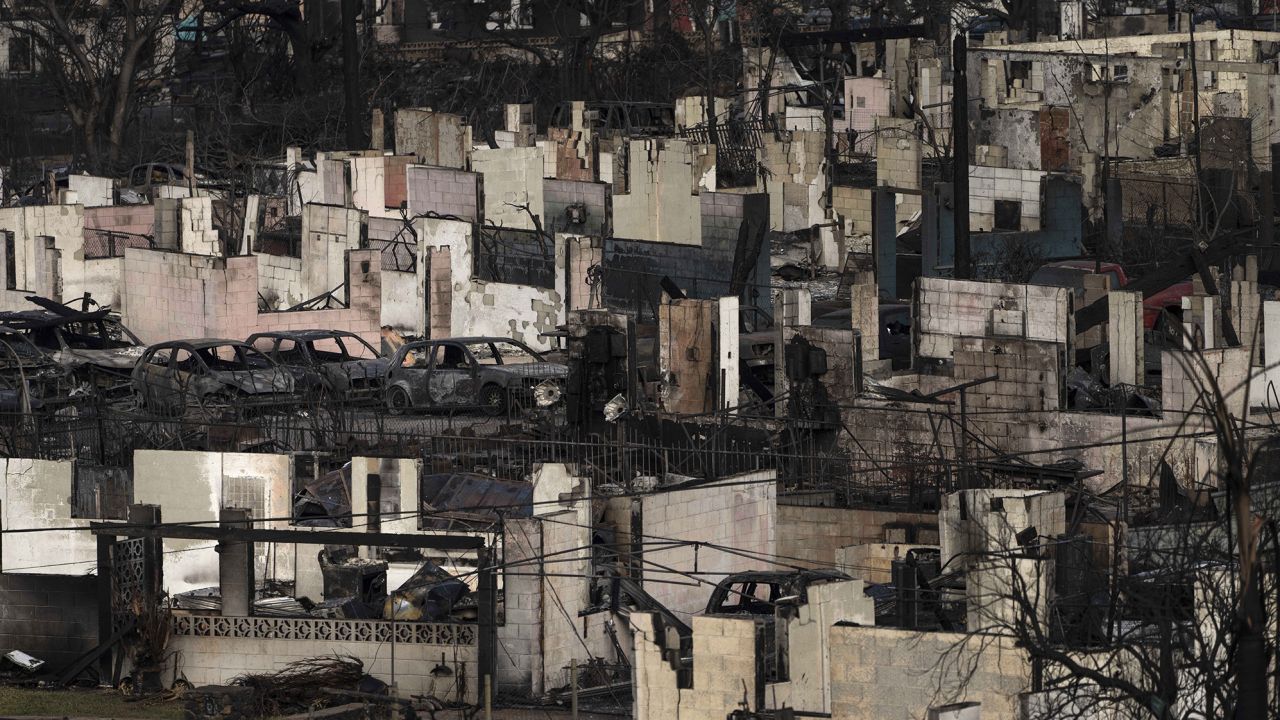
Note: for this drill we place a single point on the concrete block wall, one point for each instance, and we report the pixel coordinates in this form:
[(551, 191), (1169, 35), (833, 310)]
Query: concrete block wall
[(873, 562), (52, 617), (54, 268), (171, 295), (434, 138), (91, 191), (686, 332), (280, 280), (395, 182), (741, 514), (1029, 373), (369, 179), (922, 671), (36, 494), (520, 666), (853, 204), (838, 342), (979, 529), (520, 312), (721, 217), (439, 286), (595, 197), (137, 219), (797, 160), (512, 183), (1184, 380), (328, 232), (988, 184), (815, 534), (724, 652), (570, 154), (584, 254), (175, 295), (898, 157), (808, 686), (445, 191), (216, 660), (661, 203), (196, 232), (947, 309), (865, 100)]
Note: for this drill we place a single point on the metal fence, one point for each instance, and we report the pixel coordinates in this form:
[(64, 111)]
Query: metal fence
[(100, 244), (636, 455)]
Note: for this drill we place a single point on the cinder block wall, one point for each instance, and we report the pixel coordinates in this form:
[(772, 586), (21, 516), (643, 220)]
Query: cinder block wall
[(216, 660), (52, 617)]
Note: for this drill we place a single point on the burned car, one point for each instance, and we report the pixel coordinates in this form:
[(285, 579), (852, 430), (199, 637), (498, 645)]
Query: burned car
[(482, 372), (94, 346), (329, 363), (216, 376), (29, 377), (760, 592)]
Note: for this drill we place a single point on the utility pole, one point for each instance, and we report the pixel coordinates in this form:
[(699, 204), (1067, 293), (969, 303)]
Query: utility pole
[(960, 155), (353, 98)]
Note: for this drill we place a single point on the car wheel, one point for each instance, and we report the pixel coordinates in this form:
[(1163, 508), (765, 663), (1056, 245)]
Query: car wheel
[(398, 400), (493, 399)]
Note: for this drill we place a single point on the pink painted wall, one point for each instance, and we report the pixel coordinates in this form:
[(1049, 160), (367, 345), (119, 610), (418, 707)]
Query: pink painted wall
[(137, 219), (169, 296), (875, 102)]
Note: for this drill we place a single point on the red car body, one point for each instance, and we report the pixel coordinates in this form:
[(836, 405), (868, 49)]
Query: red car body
[(1166, 299)]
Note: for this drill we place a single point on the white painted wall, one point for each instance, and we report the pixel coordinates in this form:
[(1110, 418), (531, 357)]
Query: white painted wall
[(498, 309), (37, 494), (193, 486)]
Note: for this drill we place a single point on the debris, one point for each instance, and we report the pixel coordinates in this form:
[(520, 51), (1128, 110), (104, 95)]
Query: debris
[(298, 686), (23, 660), (430, 594)]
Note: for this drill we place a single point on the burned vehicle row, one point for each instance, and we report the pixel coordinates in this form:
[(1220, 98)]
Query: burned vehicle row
[(215, 377), (485, 372), (326, 364)]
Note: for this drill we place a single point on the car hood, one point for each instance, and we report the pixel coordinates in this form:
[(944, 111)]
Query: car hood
[(256, 382), (119, 358), (540, 370)]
